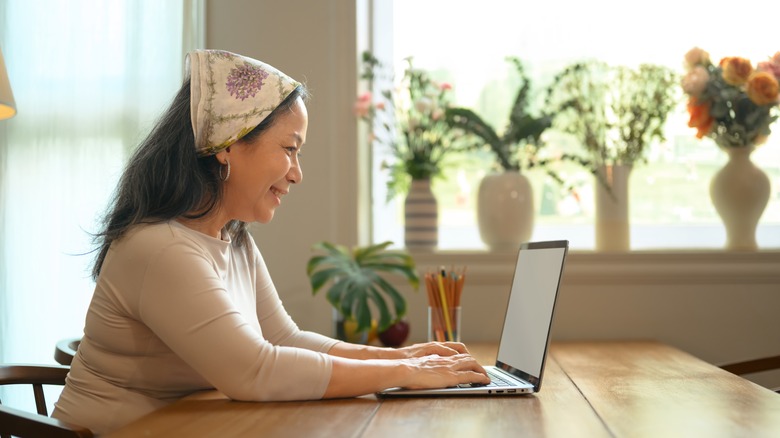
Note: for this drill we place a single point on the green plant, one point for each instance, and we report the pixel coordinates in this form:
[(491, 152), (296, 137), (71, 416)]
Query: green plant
[(410, 120), (517, 148), (642, 99), (614, 112), (356, 283)]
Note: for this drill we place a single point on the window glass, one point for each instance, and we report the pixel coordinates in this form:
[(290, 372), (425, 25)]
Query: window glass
[(466, 45)]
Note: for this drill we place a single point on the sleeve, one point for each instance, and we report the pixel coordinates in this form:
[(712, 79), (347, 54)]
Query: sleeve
[(278, 327), (185, 303)]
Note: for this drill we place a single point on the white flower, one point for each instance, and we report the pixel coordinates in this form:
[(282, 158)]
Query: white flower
[(422, 104)]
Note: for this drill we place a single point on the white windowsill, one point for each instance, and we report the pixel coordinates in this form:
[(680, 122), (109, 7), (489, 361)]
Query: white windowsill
[(635, 267)]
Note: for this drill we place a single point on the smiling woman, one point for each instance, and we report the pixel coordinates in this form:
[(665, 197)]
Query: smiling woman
[(183, 299), (265, 167)]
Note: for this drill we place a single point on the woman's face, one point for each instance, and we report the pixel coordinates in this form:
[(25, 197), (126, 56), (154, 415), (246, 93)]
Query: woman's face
[(262, 171)]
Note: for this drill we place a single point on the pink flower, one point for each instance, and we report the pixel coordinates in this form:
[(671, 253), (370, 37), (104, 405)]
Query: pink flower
[(695, 81), (772, 66), (362, 105), (444, 86), (365, 97), (696, 56)]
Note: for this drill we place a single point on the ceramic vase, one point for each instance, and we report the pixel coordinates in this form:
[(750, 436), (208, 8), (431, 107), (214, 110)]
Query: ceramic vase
[(421, 217), (612, 222), (505, 210), (740, 192), (345, 330)]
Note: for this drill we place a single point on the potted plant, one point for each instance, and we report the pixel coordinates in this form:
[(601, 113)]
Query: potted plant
[(615, 113), (358, 291), (409, 119), (505, 205), (735, 104)]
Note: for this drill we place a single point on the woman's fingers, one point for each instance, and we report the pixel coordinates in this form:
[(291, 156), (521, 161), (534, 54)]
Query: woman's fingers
[(439, 348), (442, 371), (457, 346)]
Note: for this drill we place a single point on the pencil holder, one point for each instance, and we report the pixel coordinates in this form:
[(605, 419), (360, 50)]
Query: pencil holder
[(444, 323)]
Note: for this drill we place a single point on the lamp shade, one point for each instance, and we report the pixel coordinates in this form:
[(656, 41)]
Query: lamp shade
[(7, 104)]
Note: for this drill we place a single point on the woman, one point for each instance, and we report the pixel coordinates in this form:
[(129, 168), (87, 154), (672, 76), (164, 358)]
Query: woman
[(183, 300)]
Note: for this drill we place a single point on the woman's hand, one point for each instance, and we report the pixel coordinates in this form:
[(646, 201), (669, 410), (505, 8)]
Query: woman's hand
[(430, 348), (429, 365), (443, 371)]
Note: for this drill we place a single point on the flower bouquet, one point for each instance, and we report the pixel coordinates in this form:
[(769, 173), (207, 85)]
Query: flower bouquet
[(410, 119), (731, 102), (734, 104)]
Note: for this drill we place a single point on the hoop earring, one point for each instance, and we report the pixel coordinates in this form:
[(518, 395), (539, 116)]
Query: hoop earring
[(227, 173)]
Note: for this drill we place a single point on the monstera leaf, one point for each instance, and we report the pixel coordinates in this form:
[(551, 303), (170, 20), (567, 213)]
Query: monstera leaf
[(357, 282)]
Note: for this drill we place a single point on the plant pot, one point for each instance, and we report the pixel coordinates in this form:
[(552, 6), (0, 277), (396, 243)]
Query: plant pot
[(344, 330), (421, 217), (740, 192), (505, 210), (395, 335), (612, 223)]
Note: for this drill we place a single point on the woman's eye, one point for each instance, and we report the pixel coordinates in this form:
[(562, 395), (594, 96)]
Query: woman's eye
[(291, 150)]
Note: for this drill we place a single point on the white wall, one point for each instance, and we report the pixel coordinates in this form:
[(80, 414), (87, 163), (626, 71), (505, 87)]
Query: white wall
[(314, 42), (717, 306)]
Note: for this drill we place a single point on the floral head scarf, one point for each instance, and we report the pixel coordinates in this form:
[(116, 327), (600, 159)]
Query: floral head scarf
[(230, 95)]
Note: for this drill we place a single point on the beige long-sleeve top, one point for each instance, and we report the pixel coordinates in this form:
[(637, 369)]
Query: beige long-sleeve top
[(176, 311)]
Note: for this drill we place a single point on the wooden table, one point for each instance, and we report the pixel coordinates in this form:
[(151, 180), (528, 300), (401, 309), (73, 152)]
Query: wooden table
[(598, 389)]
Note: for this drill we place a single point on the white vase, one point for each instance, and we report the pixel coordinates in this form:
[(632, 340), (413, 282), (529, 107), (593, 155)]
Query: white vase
[(421, 217), (740, 193), (612, 223), (505, 210)]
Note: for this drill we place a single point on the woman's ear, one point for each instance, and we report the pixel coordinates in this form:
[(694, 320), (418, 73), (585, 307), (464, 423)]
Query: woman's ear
[(223, 156)]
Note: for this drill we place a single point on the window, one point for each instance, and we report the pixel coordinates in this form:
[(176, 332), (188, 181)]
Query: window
[(89, 78), (467, 46)]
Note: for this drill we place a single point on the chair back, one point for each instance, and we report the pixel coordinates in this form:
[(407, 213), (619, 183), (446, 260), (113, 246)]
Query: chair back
[(19, 423), (66, 350), (769, 363)]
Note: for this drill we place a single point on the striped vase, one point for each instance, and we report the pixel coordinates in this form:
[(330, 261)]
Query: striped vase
[(421, 216)]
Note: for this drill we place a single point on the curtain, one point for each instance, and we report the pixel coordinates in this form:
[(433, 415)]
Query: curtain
[(89, 77)]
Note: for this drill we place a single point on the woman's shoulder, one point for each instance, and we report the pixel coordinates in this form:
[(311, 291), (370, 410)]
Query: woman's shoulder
[(161, 232), (154, 237)]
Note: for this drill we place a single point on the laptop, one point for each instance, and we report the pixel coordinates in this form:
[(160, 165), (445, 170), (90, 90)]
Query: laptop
[(525, 337)]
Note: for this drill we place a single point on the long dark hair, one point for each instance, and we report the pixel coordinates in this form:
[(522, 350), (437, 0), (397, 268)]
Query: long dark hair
[(165, 179)]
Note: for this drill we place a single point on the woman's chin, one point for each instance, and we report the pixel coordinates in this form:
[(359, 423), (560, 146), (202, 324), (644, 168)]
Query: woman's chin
[(265, 217)]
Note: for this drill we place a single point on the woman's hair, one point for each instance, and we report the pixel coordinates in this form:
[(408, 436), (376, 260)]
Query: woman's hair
[(165, 179)]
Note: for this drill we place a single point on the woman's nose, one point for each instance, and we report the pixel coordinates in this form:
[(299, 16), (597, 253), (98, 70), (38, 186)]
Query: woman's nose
[(295, 175)]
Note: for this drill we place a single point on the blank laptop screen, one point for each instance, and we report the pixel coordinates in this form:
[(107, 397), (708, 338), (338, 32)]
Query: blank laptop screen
[(529, 312)]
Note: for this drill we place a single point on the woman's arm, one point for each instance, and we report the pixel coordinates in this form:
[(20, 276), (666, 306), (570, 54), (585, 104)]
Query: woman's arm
[(356, 351), (352, 377)]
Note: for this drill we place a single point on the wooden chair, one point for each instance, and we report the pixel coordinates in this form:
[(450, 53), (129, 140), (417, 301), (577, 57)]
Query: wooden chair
[(754, 366), (66, 350), (15, 422)]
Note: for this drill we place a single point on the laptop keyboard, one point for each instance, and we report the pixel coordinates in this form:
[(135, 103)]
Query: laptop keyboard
[(496, 380)]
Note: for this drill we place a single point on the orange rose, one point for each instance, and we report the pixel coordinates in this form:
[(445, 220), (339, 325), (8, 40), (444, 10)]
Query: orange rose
[(762, 88), (700, 117), (736, 70)]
